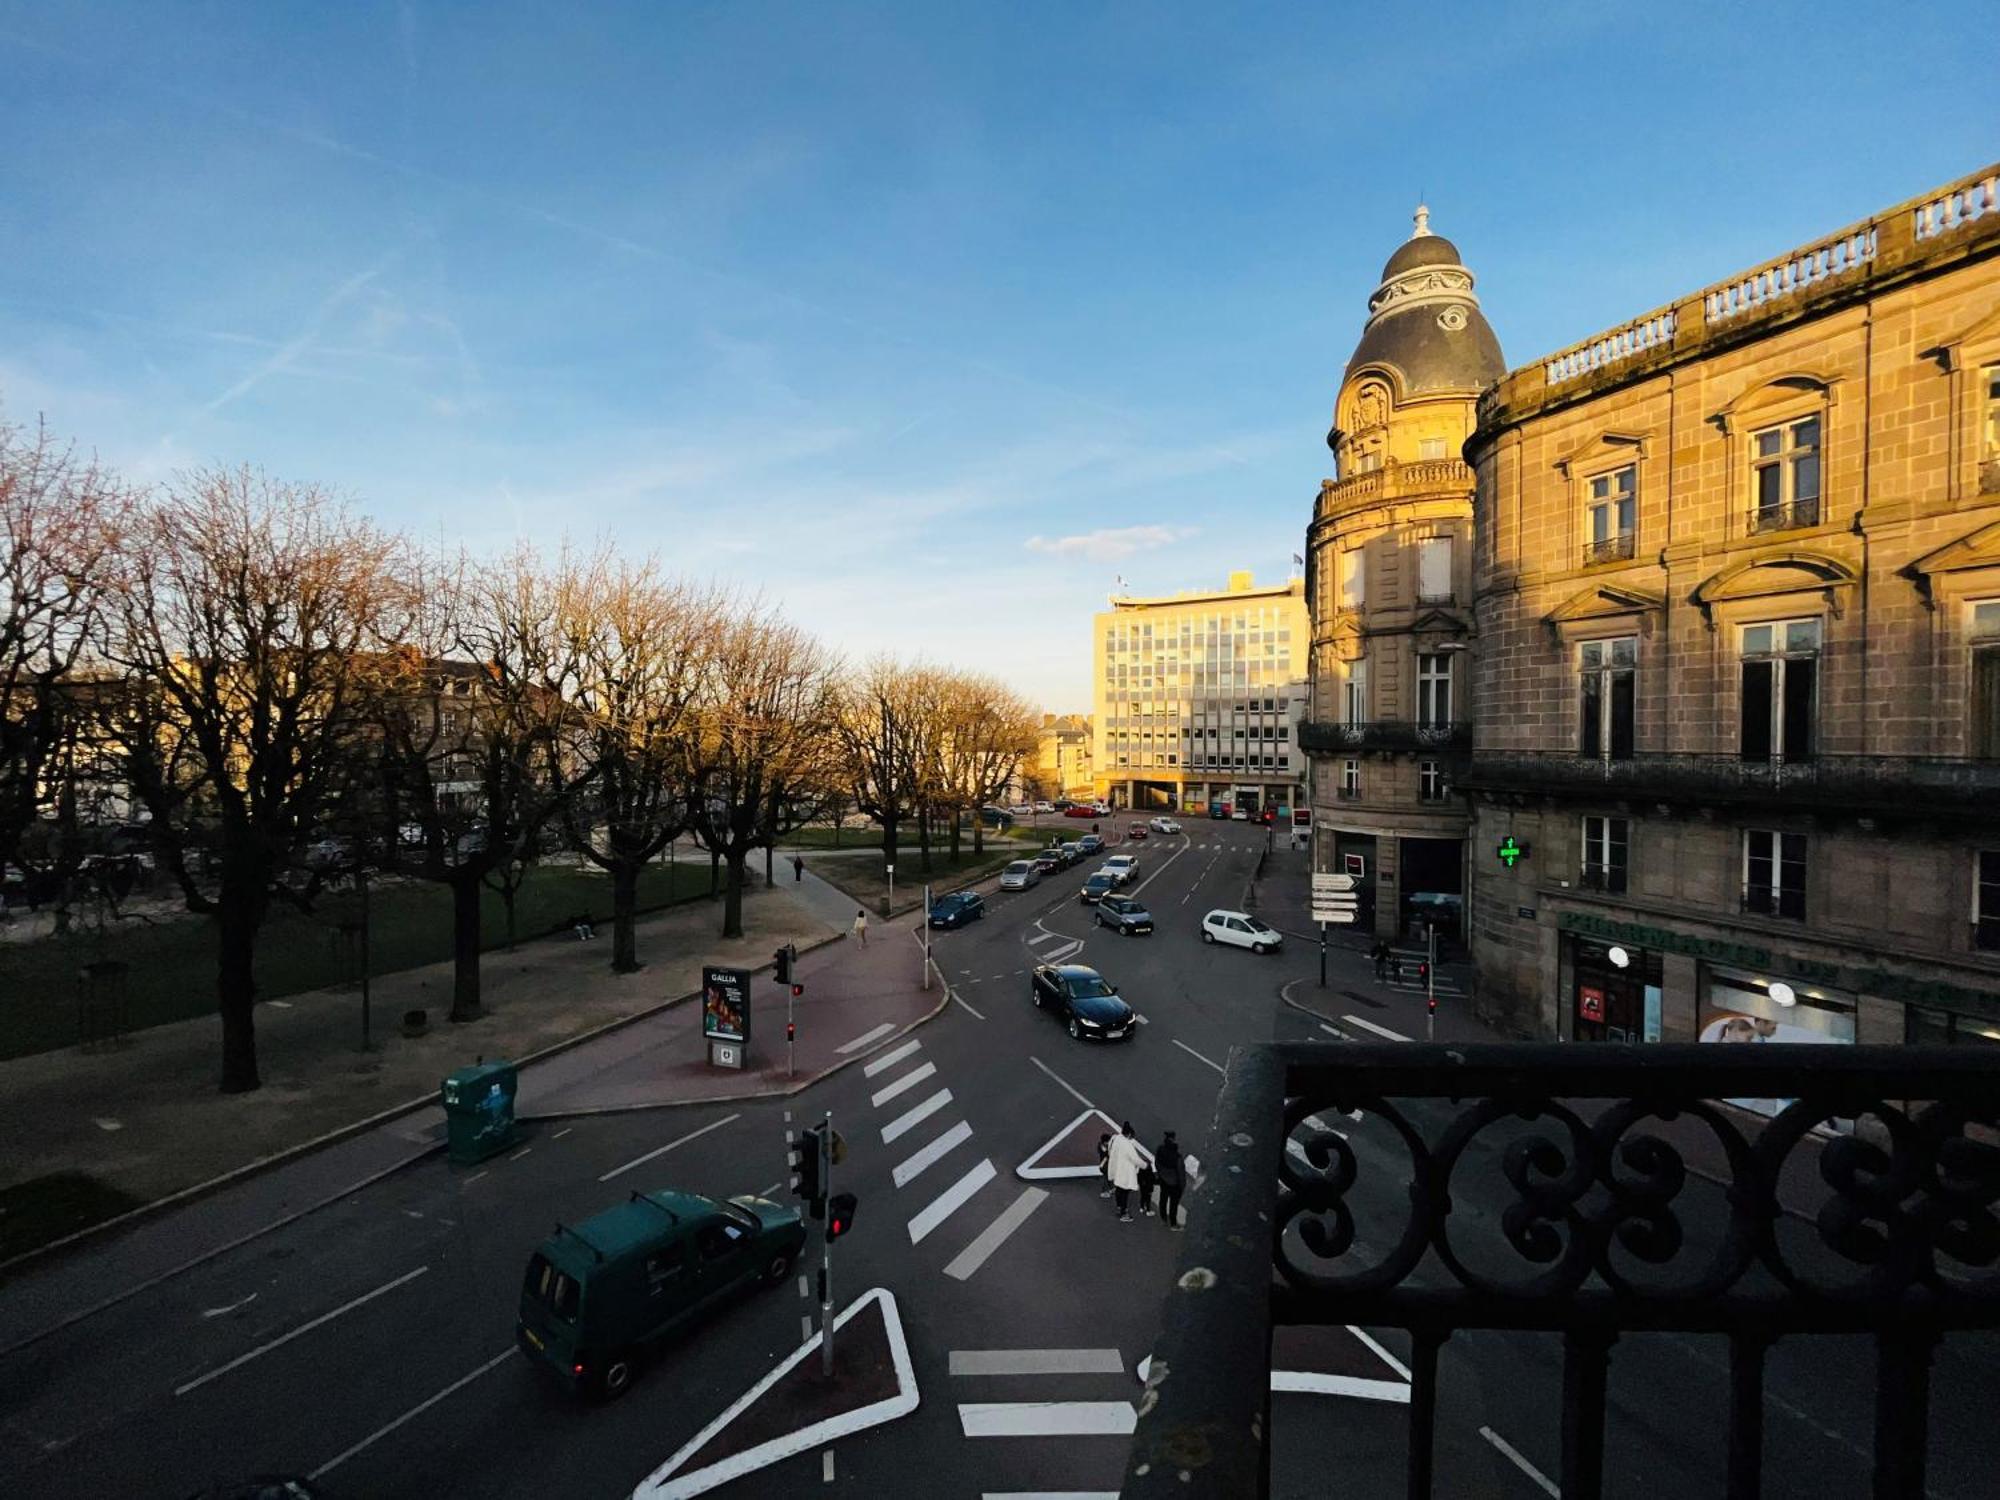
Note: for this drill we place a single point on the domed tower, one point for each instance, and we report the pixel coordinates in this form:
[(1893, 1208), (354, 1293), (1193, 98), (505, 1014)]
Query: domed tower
[(1390, 587)]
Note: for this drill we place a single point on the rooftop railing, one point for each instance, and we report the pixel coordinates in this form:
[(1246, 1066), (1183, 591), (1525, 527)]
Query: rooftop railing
[(1590, 1192)]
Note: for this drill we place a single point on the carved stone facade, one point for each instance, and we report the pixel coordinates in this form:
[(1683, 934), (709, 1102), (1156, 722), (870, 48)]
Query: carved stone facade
[(1737, 585)]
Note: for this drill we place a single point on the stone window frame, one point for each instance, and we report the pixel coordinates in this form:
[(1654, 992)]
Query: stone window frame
[(1776, 890), (1964, 360), (1450, 540), (1596, 853), (1778, 402), (1605, 451)]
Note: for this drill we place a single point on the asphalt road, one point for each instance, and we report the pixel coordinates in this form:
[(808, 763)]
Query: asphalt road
[(371, 1344)]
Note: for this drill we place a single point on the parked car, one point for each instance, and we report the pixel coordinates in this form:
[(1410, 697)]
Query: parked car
[(1124, 866), (957, 908), (1123, 914), (1239, 814), (1218, 810), (1240, 930), (330, 853), (1165, 825), (1072, 854), (1090, 843), (600, 1299), (1089, 1008), (1078, 810), (1136, 831), (1021, 874), (1097, 887), (1047, 862), (1045, 807)]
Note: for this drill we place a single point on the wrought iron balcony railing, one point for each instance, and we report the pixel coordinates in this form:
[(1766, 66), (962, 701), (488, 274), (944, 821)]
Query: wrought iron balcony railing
[(1384, 734), (1885, 785), (1617, 548), (1610, 878), (1586, 1191), (1763, 901), (1792, 515)]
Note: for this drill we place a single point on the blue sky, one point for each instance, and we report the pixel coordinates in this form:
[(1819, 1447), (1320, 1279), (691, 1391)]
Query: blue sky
[(924, 320)]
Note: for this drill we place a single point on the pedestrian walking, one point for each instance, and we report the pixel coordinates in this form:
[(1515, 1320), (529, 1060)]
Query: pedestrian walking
[(1172, 1173), (1122, 1166), (1380, 953), (798, 868), (1146, 1180), (1395, 967), (1104, 1162), (861, 927)]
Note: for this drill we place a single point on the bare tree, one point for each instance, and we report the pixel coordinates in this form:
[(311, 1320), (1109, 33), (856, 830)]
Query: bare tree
[(59, 519), (760, 746), (991, 730), (642, 647), (246, 613), (876, 726)]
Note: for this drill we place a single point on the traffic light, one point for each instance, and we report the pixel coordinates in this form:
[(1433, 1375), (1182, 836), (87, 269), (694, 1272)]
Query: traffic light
[(783, 960), (839, 1215), (791, 1031), (807, 1158), (1423, 971), (1431, 1006), (798, 990)]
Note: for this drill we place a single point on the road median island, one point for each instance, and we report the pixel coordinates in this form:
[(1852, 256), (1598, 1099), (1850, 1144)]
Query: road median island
[(795, 1408), (867, 883)]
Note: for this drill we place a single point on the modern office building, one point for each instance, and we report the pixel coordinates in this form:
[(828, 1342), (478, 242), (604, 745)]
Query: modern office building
[(1199, 698), (1389, 558), (1737, 684)]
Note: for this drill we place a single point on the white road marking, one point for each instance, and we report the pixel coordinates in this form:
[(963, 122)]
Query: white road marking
[(216, 1312), (826, 1467), (904, 1124), (561, 1133), (1048, 1495), (994, 1235), (416, 1411), (1199, 1058), (888, 1059), (907, 1171), (951, 1200), (1065, 1087), (1047, 1418), (805, 1286), (1383, 1354), (805, 1325), (959, 1001), (904, 1084), (1333, 1031), (1381, 1031), (771, 1189), (1159, 872), (1521, 1463), (874, 1033), (1044, 936), (303, 1328), (639, 1161), (1063, 955), (475, 1177), (521, 1153), (1036, 1362), (1313, 1383)]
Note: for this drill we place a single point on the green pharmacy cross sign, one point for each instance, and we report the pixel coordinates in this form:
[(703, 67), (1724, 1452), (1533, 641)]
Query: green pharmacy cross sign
[(1511, 852)]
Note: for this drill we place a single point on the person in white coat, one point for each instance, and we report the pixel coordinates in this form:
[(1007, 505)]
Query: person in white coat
[(1122, 1167)]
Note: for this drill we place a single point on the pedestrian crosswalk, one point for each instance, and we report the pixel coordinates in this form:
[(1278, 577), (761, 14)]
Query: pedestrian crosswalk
[(1401, 975), (1038, 1394), (958, 1189)]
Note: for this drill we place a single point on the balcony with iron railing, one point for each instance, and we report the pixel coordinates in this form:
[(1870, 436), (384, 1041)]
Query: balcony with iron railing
[(1617, 548), (1476, 1191), (1864, 784), (1788, 902), (1386, 735), (1607, 878), (1789, 515)]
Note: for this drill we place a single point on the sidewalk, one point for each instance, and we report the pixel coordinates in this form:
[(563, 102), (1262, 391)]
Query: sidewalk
[(145, 1120), (856, 999)]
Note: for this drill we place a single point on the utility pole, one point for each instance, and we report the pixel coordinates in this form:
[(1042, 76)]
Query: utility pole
[(1430, 982), (826, 1253), (927, 935), (1322, 955)]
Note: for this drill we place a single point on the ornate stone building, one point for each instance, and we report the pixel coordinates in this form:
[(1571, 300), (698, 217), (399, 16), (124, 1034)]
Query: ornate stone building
[(1390, 588), (1737, 581)]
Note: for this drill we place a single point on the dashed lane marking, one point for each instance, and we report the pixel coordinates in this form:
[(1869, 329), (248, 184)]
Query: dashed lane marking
[(1047, 1418), (414, 1412), (875, 1033), (303, 1328), (888, 1059), (771, 1189), (908, 1171), (640, 1161), (521, 1153), (561, 1133), (903, 1085), (1381, 1031), (994, 1235), (904, 1124), (1520, 1461), (951, 1200), (826, 1466)]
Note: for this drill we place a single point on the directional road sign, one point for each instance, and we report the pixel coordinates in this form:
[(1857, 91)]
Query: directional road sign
[(1328, 883)]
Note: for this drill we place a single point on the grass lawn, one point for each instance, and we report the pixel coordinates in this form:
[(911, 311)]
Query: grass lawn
[(865, 881), (171, 974), (871, 837)]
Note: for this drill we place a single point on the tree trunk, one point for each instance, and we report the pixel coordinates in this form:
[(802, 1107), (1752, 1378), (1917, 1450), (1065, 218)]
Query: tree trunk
[(507, 894), (924, 840), (956, 835), (978, 833), (624, 918), (465, 946), (236, 984), (732, 901)]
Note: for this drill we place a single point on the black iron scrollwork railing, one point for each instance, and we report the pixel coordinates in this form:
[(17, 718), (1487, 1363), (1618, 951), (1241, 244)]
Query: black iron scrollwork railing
[(1609, 549), (1385, 734), (1789, 515), (1587, 1192)]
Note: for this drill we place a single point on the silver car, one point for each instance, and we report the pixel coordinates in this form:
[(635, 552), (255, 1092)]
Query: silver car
[(1019, 876)]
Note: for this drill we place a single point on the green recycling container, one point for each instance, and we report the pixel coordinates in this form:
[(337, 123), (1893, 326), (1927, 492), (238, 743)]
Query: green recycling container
[(479, 1110)]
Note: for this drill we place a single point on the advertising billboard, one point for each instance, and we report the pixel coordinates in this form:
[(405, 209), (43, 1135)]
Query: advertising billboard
[(725, 1004)]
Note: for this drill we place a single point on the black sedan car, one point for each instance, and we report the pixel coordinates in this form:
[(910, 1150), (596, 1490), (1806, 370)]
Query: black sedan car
[(1123, 914), (1089, 1008), (1097, 887), (956, 909), (1073, 853), (1048, 862)]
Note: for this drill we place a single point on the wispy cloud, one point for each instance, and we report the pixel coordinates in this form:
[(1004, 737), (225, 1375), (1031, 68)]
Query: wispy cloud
[(1108, 544), (301, 342)]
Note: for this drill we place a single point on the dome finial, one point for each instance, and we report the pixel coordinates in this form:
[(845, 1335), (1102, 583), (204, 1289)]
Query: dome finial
[(1423, 218)]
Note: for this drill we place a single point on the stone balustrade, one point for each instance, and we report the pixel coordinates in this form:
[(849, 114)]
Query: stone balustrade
[(1620, 344), (1956, 206), (1842, 255)]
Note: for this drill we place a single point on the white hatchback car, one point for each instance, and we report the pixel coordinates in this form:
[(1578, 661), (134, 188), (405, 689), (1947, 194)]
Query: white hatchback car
[(1165, 825), (1240, 930), (1122, 866)]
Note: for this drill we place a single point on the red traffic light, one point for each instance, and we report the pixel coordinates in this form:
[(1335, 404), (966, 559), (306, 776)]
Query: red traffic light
[(798, 990), (1432, 1005), (839, 1215), (791, 1030)]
